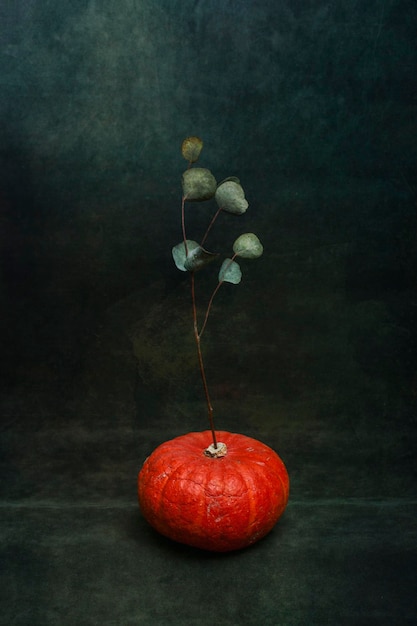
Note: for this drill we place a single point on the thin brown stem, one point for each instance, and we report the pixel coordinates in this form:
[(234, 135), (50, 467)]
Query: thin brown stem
[(219, 284), (210, 225), (184, 235), (201, 363)]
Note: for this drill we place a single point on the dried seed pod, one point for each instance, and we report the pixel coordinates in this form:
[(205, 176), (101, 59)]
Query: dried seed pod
[(230, 196), (248, 246), (191, 148), (198, 184)]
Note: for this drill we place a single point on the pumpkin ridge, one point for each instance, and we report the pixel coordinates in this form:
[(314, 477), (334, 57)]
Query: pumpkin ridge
[(260, 523), (177, 470), (167, 503), (285, 487), (252, 508)]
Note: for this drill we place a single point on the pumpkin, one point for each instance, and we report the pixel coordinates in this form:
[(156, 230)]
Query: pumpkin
[(216, 498)]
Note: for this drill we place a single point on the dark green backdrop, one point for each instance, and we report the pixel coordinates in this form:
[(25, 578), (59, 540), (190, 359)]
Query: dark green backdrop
[(313, 105)]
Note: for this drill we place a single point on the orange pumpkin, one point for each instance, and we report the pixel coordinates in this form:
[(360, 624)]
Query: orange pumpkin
[(218, 499)]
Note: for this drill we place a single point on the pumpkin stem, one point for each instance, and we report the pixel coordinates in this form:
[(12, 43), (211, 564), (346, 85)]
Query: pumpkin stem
[(216, 452), (197, 338)]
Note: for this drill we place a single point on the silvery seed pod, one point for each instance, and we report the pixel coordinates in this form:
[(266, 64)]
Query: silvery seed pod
[(198, 184)]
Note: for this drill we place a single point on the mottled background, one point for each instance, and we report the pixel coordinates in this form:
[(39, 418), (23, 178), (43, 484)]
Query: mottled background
[(313, 105)]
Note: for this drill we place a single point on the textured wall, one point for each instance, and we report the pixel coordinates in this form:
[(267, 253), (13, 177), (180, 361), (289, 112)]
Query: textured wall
[(312, 104), (110, 88)]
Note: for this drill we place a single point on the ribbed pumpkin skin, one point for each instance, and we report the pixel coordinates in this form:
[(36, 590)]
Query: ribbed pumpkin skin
[(217, 504)]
